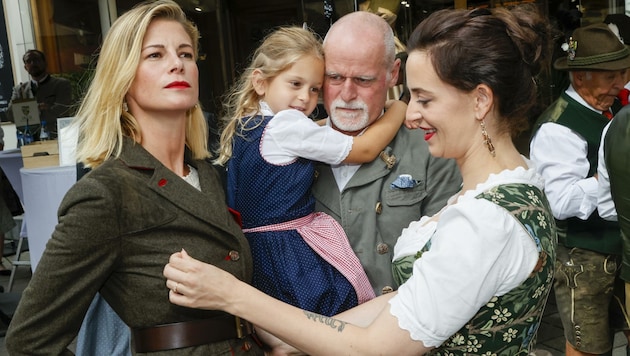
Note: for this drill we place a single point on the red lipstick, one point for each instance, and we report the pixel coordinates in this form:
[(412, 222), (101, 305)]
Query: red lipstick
[(428, 133), (178, 85)]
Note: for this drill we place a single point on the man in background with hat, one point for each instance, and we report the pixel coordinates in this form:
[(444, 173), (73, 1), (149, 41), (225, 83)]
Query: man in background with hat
[(564, 149)]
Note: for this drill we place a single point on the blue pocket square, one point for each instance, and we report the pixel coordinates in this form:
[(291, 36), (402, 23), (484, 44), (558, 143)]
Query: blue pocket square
[(404, 181)]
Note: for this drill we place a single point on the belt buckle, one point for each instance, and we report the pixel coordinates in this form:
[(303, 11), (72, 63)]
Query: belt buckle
[(240, 325)]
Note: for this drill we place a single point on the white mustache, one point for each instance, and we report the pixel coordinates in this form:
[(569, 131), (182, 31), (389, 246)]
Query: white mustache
[(353, 105)]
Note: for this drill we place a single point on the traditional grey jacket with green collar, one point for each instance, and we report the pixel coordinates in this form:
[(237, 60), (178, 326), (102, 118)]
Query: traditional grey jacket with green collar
[(118, 226)]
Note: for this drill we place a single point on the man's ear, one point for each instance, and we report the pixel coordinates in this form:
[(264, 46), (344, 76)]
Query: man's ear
[(578, 77), (395, 73), (259, 82), (484, 100)]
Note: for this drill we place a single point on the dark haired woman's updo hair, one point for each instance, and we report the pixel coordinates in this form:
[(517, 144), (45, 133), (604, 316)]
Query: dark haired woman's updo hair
[(502, 48)]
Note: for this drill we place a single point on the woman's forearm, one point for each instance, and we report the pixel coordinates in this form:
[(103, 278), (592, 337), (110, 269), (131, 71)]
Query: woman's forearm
[(200, 285), (363, 315)]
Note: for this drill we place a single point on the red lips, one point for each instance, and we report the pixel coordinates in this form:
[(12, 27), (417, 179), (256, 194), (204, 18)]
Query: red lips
[(178, 85), (428, 133)]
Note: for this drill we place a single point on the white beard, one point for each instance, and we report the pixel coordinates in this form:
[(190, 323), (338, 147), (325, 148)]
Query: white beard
[(349, 122)]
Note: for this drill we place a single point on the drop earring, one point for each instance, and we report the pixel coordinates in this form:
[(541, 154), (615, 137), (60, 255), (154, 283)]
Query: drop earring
[(486, 139)]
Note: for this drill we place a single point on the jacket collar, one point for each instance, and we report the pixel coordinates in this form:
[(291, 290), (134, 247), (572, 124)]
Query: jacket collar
[(135, 156), (208, 205)]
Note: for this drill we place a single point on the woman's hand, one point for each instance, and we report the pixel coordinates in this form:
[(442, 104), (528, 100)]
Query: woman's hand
[(195, 284)]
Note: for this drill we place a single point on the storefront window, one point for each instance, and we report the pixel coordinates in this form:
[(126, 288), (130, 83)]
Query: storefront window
[(70, 31)]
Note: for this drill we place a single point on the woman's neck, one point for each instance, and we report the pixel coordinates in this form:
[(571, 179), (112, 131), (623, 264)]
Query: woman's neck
[(166, 139), (477, 167)]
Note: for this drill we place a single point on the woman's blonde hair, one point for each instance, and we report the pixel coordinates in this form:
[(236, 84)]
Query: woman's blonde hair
[(102, 118), (278, 52)]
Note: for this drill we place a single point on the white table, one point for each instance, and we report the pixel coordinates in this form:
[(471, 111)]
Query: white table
[(43, 190)]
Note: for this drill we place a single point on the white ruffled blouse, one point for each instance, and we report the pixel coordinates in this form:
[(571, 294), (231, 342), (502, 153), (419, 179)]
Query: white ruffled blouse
[(478, 250)]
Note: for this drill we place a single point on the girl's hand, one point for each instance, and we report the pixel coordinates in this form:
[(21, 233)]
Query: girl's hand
[(412, 123), (409, 123), (397, 104)]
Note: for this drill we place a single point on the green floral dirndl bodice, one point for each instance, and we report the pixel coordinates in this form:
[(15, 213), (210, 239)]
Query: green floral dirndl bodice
[(506, 325)]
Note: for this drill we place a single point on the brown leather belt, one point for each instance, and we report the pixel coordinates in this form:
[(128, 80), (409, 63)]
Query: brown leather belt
[(190, 333)]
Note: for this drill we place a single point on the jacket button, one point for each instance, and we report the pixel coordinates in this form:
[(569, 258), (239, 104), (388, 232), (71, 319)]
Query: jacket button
[(234, 256), (382, 248), (379, 207), (387, 289)]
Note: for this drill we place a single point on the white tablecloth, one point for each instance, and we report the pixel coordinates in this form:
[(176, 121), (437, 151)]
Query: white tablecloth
[(43, 189)]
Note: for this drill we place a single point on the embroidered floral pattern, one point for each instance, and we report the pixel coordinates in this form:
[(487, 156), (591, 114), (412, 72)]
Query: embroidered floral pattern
[(501, 315), (507, 325), (509, 335)]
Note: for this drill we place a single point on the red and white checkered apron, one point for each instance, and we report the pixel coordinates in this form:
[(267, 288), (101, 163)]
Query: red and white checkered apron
[(326, 237)]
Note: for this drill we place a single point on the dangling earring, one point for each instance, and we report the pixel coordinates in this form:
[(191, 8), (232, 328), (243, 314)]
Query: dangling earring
[(487, 140), (125, 107)]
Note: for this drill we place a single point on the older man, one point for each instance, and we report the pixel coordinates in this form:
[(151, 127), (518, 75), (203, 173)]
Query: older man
[(375, 201), (564, 148)]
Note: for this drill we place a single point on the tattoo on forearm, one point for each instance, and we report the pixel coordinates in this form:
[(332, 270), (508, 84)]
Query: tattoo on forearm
[(333, 323)]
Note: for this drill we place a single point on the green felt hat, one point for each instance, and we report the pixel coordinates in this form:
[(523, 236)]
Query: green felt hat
[(594, 47)]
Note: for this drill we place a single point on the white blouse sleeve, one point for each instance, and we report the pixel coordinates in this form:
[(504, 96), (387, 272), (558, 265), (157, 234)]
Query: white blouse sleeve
[(290, 134), (605, 204), (560, 157), (478, 251)]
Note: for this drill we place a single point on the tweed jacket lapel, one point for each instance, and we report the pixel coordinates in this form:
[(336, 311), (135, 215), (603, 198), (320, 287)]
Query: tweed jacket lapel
[(161, 180)]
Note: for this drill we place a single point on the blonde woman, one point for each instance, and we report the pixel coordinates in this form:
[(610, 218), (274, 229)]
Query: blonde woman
[(150, 191)]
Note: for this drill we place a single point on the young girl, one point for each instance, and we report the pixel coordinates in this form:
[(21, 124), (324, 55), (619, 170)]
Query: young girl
[(270, 145)]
